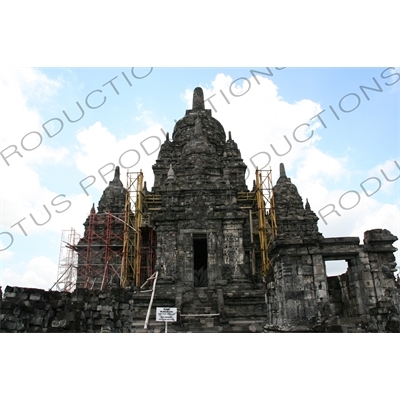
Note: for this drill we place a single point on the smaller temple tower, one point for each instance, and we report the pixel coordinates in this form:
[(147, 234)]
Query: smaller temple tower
[(301, 296), (100, 249)]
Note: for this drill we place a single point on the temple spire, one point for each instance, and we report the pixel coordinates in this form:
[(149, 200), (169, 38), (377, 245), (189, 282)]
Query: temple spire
[(198, 99), (282, 172), (116, 173)]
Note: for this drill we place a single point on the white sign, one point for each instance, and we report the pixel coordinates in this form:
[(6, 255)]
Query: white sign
[(166, 314)]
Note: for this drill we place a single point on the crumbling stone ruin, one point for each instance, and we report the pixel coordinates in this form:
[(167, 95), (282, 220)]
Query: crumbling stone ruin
[(200, 232), (299, 292)]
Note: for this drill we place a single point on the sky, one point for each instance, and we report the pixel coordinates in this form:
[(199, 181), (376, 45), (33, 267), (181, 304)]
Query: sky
[(65, 129)]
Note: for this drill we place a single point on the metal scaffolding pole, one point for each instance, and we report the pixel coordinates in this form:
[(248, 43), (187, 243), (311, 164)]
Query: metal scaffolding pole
[(153, 291), (267, 227), (100, 250), (68, 261), (133, 222)]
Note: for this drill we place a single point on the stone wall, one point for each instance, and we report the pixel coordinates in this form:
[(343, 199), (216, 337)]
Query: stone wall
[(238, 307), (36, 310), (301, 297), (241, 308)]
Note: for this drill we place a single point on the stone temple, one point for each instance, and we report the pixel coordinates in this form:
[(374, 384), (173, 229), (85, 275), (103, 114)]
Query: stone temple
[(203, 232)]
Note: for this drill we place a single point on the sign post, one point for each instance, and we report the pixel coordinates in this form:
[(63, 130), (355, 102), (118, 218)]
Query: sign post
[(166, 314)]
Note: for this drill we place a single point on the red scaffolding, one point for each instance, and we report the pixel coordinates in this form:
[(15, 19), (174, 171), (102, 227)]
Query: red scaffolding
[(117, 248), (100, 251)]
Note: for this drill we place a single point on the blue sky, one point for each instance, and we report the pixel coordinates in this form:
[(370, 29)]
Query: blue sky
[(263, 111)]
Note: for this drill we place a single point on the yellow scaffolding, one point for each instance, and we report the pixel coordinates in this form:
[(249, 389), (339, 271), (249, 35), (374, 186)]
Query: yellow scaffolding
[(267, 228), (133, 222), (152, 202)]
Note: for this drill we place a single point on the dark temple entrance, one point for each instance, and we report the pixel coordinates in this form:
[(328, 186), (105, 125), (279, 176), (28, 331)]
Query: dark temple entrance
[(200, 277)]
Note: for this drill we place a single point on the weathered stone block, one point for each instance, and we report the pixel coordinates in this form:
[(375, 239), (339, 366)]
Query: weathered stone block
[(36, 320), (307, 269), (295, 295), (319, 269), (59, 323), (287, 270), (78, 305), (7, 305), (35, 297), (55, 304), (9, 325)]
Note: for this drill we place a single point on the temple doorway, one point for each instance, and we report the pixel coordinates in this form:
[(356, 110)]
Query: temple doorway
[(200, 276)]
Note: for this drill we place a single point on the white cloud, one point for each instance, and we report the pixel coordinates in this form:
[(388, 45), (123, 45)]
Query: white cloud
[(24, 192), (358, 212), (377, 216), (5, 254), (99, 147), (21, 88), (385, 174), (259, 120), (20, 122), (40, 272)]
